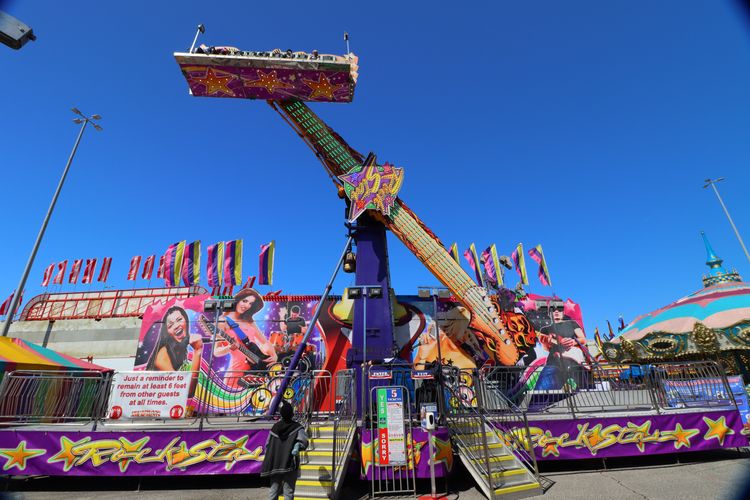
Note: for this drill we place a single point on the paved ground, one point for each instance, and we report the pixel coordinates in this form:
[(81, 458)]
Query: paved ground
[(717, 475)]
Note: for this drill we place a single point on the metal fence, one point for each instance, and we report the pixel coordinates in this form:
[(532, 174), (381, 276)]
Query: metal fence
[(53, 397), (581, 389), (344, 420)]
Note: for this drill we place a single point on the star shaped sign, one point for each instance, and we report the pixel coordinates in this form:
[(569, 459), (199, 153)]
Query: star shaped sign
[(268, 81), (717, 429), (17, 457), (323, 88), (374, 187), (215, 83)]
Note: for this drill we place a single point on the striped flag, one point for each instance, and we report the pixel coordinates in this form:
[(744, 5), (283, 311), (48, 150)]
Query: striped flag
[(160, 270), (191, 264), (233, 262), (173, 263), (135, 263), (88, 271), (48, 275), (148, 267), (61, 266), (250, 282), (215, 264), (104, 271), (492, 265), (265, 263), (520, 263), (75, 270), (454, 253), (471, 256), (537, 254)]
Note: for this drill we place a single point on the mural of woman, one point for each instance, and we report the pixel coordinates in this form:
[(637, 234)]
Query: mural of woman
[(249, 348), (171, 351)]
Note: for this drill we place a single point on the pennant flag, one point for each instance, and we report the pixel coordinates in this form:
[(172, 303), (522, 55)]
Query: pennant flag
[(250, 282), (135, 263), (265, 263), (6, 305), (104, 271), (88, 271), (471, 256), (537, 254), (492, 265), (233, 262), (215, 264), (621, 325), (191, 264), (173, 263), (454, 253), (611, 333), (75, 270), (160, 270), (48, 275), (61, 266), (148, 267), (520, 263)]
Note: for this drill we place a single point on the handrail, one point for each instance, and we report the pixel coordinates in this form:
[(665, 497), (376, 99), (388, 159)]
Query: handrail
[(345, 419)]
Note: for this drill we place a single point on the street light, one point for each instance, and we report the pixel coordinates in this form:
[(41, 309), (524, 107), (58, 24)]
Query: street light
[(84, 120), (712, 183)]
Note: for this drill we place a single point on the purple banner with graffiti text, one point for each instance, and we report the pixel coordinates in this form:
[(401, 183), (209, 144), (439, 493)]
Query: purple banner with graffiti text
[(637, 435), (131, 453), (417, 450)]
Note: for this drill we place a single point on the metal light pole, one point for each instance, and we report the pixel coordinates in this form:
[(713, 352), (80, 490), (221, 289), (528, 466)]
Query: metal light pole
[(712, 183), (83, 120)]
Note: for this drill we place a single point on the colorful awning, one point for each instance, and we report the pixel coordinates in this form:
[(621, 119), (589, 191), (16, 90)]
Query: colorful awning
[(18, 354)]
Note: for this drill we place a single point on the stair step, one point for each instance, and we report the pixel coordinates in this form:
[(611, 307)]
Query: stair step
[(315, 482), (326, 468), (509, 472), (515, 488), (490, 446), (499, 458), (297, 497), (321, 440)]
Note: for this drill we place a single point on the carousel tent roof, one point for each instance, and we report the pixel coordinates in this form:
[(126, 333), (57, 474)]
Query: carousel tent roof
[(723, 302)]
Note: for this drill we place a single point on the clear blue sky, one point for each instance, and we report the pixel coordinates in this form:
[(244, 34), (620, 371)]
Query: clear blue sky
[(586, 126)]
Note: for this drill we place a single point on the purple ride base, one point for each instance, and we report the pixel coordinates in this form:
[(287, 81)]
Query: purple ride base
[(31, 452)]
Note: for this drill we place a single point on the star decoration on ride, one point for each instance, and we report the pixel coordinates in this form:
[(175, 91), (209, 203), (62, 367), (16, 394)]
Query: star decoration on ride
[(214, 83), (268, 81), (66, 453), (323, 88), (17, 457), (682, 436), (717, 429), (372, 187)]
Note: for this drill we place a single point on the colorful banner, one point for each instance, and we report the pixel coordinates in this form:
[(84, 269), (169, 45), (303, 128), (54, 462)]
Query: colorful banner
[(537, 254), (453, 251), (71, 453), (88, 271), (48, 274), (636, 436), (75, 270), (149, 395), (471, 257), (61, 266), (135, 263), (492, 268), (215, 264), (191, 264), (233, 262), (173, 263), (104, 271), (265, 263), (520, 263), (148, 267)]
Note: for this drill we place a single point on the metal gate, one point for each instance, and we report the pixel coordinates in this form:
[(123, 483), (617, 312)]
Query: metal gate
[(393, 468)]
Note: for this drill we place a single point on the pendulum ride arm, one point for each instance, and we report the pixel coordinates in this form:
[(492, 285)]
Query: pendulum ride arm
[(339, 159)]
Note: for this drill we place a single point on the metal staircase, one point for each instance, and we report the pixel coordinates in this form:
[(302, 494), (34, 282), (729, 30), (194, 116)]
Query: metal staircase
[(323, 465), (494, 448)]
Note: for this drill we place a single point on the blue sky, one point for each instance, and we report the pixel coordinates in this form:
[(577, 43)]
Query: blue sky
[(586, 126)]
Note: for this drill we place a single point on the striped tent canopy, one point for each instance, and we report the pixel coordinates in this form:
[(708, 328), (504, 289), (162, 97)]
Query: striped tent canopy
[(718, 306), (17, 354)]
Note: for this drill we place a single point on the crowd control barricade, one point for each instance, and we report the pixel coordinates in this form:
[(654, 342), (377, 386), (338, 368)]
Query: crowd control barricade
[(344, 420)]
